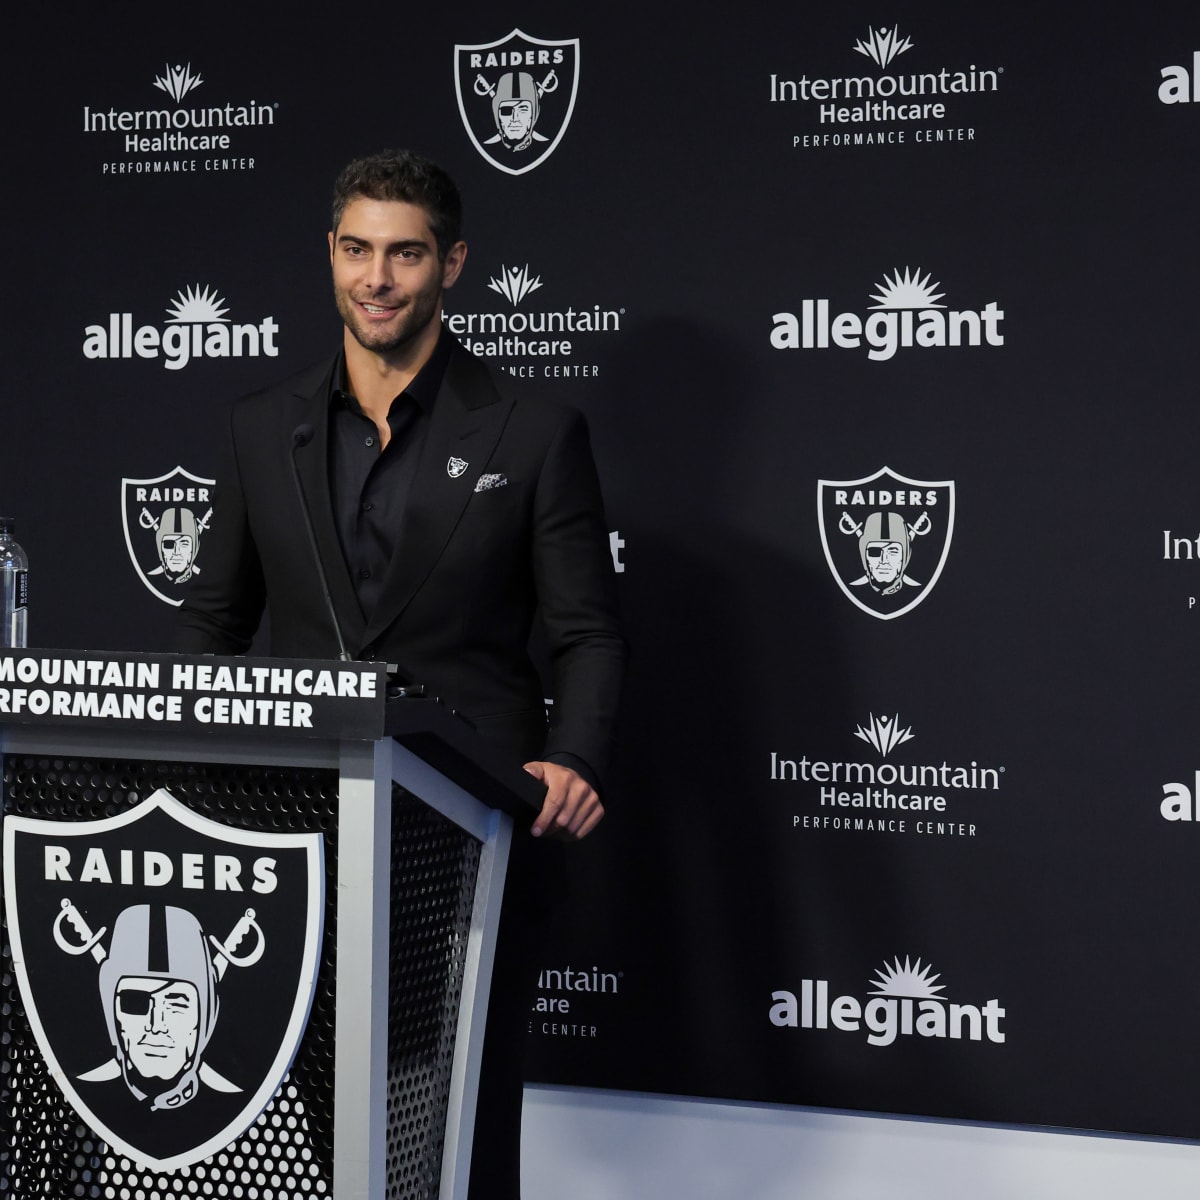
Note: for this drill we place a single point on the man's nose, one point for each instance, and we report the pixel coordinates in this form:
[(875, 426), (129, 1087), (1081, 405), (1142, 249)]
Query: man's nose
[(379, 273)]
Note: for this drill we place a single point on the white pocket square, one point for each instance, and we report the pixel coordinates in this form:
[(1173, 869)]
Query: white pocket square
[(488, 482)]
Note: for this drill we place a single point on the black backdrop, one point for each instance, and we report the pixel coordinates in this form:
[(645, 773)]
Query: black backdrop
[(1053, 654)]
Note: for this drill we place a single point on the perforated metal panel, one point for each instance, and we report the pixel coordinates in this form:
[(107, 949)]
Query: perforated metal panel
[(288, 1153), (434, 871)]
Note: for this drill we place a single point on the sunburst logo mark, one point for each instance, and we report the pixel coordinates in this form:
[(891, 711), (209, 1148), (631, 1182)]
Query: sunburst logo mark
[(177, 81), (908, 290), (911, 980), (884, 733), (515, 283), (882, 45), (197, 306)]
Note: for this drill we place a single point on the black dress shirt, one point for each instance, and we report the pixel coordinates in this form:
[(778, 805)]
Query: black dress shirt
[(370, 486)]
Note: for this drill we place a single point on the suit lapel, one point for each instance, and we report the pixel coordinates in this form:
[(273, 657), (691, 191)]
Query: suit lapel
[(312, 464), (468, 419)]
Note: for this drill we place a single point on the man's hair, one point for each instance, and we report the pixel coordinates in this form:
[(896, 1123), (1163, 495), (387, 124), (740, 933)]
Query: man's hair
[(402, 175)]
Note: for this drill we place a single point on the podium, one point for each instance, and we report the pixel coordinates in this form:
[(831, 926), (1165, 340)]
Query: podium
[(250, 910)]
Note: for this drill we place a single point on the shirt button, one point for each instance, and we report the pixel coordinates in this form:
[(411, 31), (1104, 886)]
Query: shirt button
[(367, 506), (364, 574), (370, 441)]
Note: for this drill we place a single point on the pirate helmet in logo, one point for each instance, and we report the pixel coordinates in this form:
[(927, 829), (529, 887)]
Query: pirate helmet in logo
[(177, 538), (515, 109), (158, 987), (885, 549)]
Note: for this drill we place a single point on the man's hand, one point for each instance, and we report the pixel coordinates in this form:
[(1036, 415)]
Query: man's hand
[(571, 809)]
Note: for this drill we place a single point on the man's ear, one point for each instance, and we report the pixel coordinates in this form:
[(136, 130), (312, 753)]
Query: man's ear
[(453, 264)]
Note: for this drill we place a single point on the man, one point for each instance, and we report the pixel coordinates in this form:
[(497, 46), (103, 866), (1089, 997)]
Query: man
[(446, 515)]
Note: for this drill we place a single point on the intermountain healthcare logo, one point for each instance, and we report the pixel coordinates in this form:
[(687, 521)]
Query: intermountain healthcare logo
[(906, 315), (515, 283), (177, 81), (164, 520), (884, 733), (516, 97), (882, 45), (167, 966), (904, 1003), (897, 107), (886, 538), (883, 797), (196, 327), (538, 341), (215, 130)]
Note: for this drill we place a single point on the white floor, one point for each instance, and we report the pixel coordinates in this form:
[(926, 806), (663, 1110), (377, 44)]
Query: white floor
[(592, 1145)]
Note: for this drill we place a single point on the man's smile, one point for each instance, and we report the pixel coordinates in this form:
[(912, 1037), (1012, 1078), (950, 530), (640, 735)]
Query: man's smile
[(378, 310)]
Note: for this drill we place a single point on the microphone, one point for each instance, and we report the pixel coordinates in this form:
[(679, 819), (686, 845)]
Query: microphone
[(301, 436)]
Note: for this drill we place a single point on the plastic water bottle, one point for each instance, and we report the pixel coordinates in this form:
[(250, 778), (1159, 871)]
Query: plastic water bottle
[(14, 577)]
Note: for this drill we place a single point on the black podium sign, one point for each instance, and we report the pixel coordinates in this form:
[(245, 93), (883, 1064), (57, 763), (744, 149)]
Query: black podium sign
[(167, 965), (184, 693)]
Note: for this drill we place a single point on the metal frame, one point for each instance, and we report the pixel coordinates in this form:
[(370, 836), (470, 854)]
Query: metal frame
[(494, 829)]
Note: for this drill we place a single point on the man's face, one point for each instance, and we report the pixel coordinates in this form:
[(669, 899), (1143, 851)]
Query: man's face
[(514, 118), (885, 561), (177, 553), (387, 279), (159, 1023)]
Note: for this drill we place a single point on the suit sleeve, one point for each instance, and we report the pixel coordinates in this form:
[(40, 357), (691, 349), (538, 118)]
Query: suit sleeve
[(226, 598), (576, 589)]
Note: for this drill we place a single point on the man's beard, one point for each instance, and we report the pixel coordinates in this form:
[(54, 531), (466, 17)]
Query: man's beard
[(414, 318)]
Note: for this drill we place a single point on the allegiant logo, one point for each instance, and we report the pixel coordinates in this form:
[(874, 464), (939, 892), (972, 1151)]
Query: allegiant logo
[(906, 315), (904, 1003), (196, 327)]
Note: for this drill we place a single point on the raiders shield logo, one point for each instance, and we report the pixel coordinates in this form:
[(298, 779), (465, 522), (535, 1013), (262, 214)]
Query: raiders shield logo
[(165, 520), (886, 538), (167, 966), (516, 97)]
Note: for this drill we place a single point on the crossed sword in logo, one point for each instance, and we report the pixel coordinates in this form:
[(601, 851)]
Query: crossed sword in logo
[(483, 88), (147, 520), (226, 956), (921, 526)]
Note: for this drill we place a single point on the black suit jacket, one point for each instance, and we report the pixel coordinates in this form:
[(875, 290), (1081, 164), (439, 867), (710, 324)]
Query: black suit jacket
[(470, 570)]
